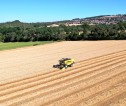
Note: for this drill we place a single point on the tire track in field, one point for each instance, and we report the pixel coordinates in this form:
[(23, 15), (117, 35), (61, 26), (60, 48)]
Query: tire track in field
[(66, 74), (59, 87), (113, 99), (113, 91), (55, 72), (81, 79), (85, 95), (62, 95)]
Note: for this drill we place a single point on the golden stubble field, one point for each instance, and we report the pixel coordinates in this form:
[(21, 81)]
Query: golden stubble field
[(98, 77)]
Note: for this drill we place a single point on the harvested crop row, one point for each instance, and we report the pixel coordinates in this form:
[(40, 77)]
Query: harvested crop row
[(87, 81), (79, 65)]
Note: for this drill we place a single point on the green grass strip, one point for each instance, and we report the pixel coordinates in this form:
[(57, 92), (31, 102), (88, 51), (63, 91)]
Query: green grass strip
[(14, 45)]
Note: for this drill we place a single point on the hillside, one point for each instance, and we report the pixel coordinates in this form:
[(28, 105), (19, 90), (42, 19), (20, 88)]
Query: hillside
[(108, 27), (102, 19)]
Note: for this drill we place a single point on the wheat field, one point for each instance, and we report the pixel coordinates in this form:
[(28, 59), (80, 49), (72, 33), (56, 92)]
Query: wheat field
[(98, 77)]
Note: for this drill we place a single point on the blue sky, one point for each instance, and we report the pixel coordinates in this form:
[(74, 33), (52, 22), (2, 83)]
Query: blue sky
[(55, 10)]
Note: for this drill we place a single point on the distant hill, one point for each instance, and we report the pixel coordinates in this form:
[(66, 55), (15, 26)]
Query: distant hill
[(105, 19), (102, 19)]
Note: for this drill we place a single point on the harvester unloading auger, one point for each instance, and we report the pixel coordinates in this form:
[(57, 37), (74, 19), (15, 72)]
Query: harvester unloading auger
[(64, 63)]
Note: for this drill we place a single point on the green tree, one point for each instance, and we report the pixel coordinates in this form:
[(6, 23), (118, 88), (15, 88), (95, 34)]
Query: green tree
[(1, 37)]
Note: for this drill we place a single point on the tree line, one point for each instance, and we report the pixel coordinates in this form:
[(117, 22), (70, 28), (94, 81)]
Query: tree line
[(21, 32)]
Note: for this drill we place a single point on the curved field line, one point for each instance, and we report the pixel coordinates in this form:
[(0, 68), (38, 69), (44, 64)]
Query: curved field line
[(47, 73), (115, 90), (112, 99), (66, 75), (93, 91), (85, 75), (3, 87), (81, 92), (79, 83), (100, 91), (51, 98)]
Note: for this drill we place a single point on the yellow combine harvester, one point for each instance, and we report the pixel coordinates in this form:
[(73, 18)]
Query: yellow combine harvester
[(64, 63)]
